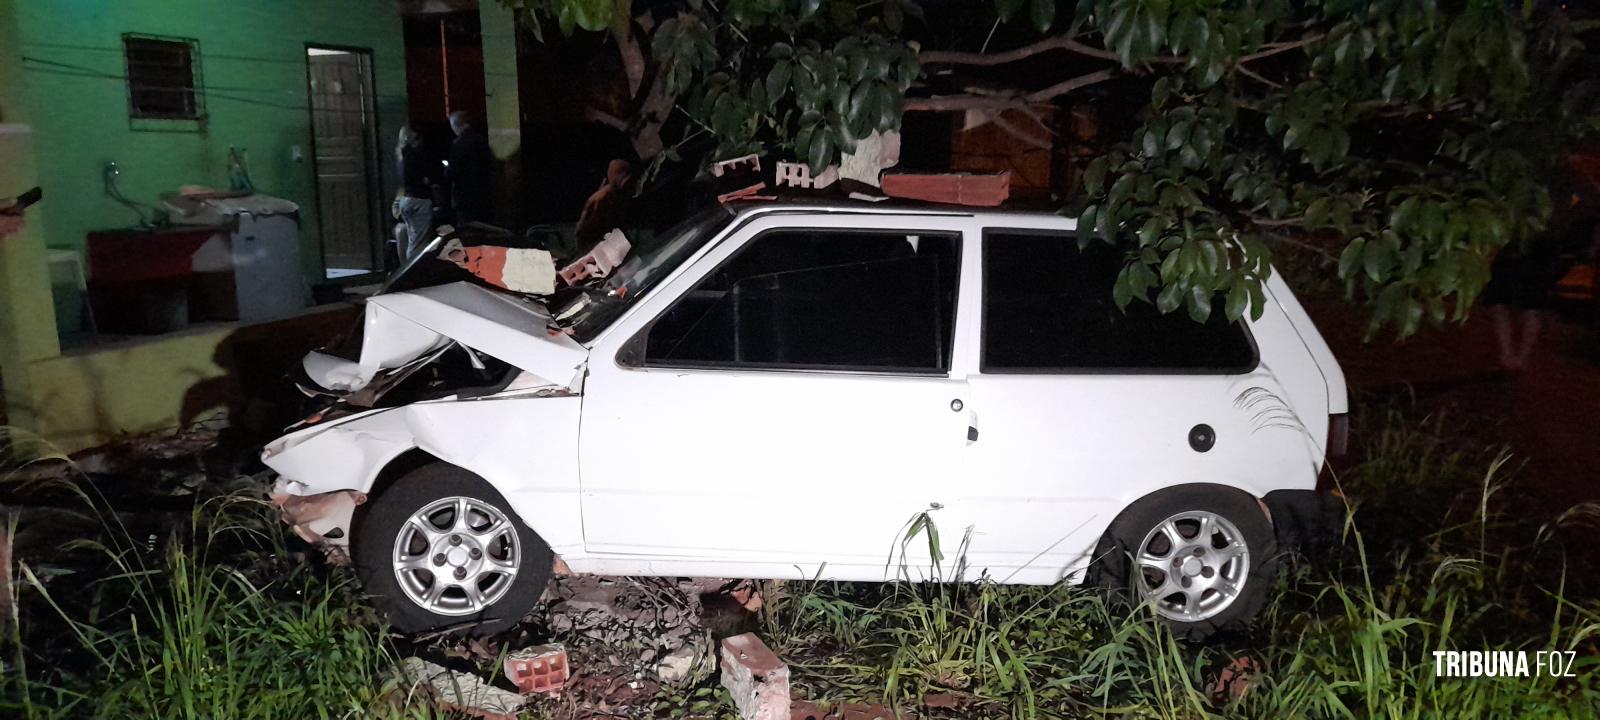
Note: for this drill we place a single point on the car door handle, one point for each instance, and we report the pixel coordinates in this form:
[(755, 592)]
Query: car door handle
[(972, 427)]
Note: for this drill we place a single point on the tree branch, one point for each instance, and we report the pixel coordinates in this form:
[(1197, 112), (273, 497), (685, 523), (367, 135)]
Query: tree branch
[(958, 103), (982, 59), (961, 103), (1258, 77), (1272, 222), (1271, 49), (1070, 84), (606, 119), (1019, 133)]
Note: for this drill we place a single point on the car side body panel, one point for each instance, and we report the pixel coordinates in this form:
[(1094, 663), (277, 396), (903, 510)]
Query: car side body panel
[(606, 463)]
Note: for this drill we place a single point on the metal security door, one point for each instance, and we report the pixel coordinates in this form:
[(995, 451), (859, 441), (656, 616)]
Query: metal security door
[(344, 145)]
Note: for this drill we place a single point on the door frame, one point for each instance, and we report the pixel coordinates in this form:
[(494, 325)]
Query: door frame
[(374, 154)]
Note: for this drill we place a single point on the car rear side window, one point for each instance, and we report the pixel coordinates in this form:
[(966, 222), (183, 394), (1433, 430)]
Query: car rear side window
[(818, 299), (1047, 307)]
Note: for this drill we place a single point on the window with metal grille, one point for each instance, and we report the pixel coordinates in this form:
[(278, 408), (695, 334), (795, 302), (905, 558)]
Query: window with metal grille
[(163, 78)]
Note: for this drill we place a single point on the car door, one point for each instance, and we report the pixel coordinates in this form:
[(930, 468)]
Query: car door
[(785, 403), (1086, 407)]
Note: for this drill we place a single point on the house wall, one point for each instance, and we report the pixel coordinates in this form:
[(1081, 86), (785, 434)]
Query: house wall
[(64, 115), (252, 61)]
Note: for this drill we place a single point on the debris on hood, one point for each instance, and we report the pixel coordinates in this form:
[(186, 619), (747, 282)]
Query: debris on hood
[(600, 261), (738, 178), (798, 175), (873, 154), (524, 270)]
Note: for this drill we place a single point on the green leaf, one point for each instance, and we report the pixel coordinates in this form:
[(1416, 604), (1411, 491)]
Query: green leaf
[(1199, 303), (1403, 214), (1044, 14), (821, 152), (1159, 92), (1122, 292), (1151, 231), (592, 15), (1094, 176), (1170, 298), (1177, 135), (1238, 300), (1007, 9), (1317, 212), (1351, 257), (778, 80), (1375, 259), (1086, 219), (1152, 145), (1210, 257)]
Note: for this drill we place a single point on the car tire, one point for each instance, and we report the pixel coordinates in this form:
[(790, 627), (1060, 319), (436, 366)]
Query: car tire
[(1196, 585), (428, 571)]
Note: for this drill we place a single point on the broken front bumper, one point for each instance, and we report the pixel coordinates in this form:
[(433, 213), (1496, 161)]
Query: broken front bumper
[(323, 519)]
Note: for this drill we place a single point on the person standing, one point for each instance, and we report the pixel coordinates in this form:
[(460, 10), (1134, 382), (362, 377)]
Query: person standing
[(1523, 277), (414, 205), (470, 170), (606, 209)]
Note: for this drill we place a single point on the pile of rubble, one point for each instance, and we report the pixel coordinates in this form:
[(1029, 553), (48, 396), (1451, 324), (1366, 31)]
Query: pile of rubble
[(611, 648), (616, 647)]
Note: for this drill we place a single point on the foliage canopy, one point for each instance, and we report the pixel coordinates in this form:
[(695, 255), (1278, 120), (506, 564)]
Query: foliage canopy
[(1408, 141)]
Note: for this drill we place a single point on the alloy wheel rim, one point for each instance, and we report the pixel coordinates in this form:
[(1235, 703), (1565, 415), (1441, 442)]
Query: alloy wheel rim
[(1192, 566), (456, 556)]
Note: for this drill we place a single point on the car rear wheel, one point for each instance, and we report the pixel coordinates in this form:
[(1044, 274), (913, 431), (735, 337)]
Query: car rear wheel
[(441, 549), (1201, 556)]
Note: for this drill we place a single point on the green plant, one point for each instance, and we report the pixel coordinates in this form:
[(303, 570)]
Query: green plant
[(1405, 141), (1350, 636), (220, 620)]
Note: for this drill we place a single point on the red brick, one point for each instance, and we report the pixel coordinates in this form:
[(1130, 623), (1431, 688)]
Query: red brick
[(538, 669)]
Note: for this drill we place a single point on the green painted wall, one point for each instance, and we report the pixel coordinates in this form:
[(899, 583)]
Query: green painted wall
[(64, 114), (499, 31), (252, 55)]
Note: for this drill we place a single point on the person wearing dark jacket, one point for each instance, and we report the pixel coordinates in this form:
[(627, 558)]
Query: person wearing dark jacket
[(470, 171), (414, 205)]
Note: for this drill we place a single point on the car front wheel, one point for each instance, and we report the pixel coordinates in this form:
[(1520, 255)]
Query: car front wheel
[(1201, 556), (441, 549)]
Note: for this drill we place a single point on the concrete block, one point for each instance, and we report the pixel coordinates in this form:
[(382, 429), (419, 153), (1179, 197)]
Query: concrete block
[(538, 669), (756, 678)]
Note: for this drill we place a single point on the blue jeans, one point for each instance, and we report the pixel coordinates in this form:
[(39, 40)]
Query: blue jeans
[(417, 214)]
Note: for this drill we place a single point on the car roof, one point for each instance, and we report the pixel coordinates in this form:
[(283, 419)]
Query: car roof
[(892, 206)]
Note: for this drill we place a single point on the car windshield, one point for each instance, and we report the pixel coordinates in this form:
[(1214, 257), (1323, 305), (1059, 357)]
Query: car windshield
[(595, 308)]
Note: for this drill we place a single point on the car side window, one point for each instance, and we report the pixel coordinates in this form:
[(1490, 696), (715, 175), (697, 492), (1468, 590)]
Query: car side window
[(818, 299), (1047, 307)]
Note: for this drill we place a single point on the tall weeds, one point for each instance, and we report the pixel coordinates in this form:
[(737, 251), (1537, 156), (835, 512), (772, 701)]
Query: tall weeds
[(1428, 560), (218, 619)]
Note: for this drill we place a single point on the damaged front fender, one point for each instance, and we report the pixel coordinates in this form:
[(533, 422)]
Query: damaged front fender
[(523, 442)]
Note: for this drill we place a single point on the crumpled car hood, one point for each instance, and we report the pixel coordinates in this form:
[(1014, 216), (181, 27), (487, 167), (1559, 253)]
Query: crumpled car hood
[(400, 327)]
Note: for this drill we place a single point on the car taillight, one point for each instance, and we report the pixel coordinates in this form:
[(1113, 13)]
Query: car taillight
[(1338, 434)]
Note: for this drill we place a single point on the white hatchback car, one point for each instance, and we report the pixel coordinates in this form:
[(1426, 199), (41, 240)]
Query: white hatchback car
[(774, 391)]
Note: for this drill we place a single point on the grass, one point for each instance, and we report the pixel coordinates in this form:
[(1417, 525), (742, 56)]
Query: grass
[(221, 617), (217, 620), (1350, 636)]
